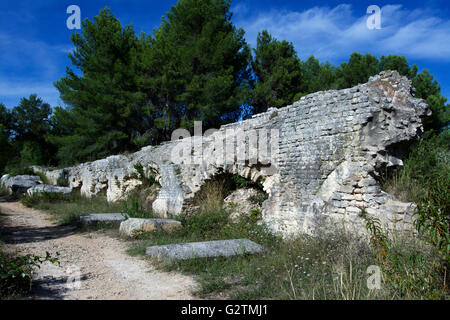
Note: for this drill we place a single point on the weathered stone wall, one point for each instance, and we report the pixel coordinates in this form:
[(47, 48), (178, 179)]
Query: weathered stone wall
[(323, 156)]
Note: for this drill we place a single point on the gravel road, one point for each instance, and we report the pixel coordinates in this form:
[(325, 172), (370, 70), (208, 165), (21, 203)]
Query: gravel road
[(99, 261)]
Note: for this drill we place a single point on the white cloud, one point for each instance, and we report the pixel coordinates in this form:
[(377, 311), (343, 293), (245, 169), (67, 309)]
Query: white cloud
[(334, 33), (12, 89)]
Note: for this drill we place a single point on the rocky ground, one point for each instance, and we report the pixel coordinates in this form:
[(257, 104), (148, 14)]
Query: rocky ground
[(97, 259)]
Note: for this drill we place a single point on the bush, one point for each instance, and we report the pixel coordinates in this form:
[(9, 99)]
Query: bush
[(147, 179), (429, 160), (133, 209), (433, 216), (408, 271), (16, 169), (31, 154), (16, 273), (62, 182)]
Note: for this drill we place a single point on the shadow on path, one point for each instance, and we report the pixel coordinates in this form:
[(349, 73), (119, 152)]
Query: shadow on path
[(29, 234)]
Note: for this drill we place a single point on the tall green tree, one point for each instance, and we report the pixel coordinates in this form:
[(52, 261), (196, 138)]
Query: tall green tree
[(317, 76), (29, 125), (278, 73), (197, 66), (103, 96), (358, 69), (31, 120)]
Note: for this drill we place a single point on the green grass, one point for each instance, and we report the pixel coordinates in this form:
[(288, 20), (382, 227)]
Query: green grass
[(43, 177), (66, 209), (16, 271), (331, 267)]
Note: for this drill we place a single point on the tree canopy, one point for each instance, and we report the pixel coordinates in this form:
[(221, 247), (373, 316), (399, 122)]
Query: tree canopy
[(125, 90)]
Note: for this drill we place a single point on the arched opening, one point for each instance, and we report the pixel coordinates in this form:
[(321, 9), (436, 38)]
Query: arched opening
[(232, 193)]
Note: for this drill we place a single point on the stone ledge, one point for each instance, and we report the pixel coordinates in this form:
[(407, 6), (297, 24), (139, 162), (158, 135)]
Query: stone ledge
[(87, 219), (134, 226), (223, 248)]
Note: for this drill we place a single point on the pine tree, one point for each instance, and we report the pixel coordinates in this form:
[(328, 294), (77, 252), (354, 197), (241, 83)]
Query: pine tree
[(278, 73), (104, 97), (197, 66)]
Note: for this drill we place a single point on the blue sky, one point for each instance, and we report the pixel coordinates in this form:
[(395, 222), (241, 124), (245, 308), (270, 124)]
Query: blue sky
[(35, 42)]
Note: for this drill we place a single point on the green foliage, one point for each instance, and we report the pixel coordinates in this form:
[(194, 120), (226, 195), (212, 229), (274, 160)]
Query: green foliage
[(330, 267), (241, 182), (147, 179), (43, 177), (5, 147), (31, 154), (31, 119), (104, 100), (399, 63), (4, 192), (33, 200), (278, 72), (317, 76), (428, 161), (136, 90), (133, 209), (259, 198), (433, 215), (400, 265), (429, 89), (16, 169), (16, 272), (378, 238), (62, 182)]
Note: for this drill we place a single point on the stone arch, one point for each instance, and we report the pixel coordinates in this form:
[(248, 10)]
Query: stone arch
[(223, 183)]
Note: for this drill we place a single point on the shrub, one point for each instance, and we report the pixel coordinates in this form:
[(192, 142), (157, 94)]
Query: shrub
[(43, 177), (408, 271), (62, 182), (16, 169), (429, 160), (147, 180), (133, 209), (433, 216), (16, 272)]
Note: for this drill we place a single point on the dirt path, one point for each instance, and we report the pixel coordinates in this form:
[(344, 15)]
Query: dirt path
[(99, 261)]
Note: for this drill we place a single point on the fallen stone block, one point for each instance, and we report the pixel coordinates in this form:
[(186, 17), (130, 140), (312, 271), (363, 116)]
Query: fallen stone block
[(112, 218), (19, 184), (224, 248), (45, 188), (134, 226)]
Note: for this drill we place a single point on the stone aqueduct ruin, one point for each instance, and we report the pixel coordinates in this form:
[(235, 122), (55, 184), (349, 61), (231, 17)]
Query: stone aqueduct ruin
[(321, 166)]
